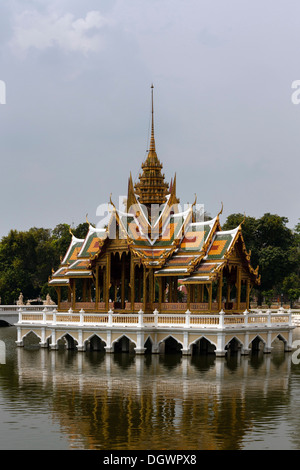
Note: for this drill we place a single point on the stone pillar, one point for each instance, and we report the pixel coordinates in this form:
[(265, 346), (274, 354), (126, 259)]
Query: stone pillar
[(288, 345), (186, 351), (108, 348), (43, 342), (53, 344), (220, 350), (80, 346), (268, 345), (19, 341), (140, 349)]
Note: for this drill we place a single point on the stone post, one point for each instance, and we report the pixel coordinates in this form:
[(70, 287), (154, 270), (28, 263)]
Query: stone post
[(155, 313), (221, 319), (110, 318), (81, 316), (187, 318), (140, 318)]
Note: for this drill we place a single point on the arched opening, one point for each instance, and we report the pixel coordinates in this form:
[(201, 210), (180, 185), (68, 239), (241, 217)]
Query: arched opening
[(31, 340), (95, 344), (233, 346), (124, 345), (278, 343), (148, 346), (170, 346), (66, 342), (203, 346), (257, 345)]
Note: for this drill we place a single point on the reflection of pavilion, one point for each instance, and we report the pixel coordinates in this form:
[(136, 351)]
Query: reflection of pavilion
[(121, 283), (157, 404)]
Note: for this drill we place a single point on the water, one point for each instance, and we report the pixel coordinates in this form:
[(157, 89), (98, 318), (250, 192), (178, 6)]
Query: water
[(70, 400)]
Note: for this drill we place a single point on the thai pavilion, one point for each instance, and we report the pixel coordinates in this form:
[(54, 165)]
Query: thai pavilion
[(154, 255)]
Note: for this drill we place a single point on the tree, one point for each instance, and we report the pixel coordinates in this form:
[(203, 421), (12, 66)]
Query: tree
[(28, 258), (274, 247)]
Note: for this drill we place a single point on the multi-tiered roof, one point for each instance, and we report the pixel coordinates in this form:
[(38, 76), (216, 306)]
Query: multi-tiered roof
[(160, 234)]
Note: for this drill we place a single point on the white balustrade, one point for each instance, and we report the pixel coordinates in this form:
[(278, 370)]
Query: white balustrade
[(187, 320)]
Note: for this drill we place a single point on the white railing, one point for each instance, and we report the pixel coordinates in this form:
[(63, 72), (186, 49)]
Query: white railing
[(31, 308), (51, 317)]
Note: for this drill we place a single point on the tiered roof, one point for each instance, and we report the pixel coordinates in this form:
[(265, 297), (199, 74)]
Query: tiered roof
[(168, 240)]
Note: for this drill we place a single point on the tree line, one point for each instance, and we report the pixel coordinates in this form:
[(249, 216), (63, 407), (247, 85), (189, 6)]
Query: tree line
[(27, 258)]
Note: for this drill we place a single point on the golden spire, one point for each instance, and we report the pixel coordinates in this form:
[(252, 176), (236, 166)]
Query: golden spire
[(152, 140), (152, 188)]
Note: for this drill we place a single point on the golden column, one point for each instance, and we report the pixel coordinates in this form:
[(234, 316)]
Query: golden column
[(97, 287), (107, 281), (132, 287), (238, 287), (220, 285)]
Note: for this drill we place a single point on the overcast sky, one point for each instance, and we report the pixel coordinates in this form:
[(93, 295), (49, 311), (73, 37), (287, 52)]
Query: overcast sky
[(77, 112)]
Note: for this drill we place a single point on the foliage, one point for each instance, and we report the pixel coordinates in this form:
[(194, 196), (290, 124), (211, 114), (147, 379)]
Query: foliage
[(28, 258), (275, 248)]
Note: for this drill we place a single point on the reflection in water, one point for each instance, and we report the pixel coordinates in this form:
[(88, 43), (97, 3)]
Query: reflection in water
[(94, 400)]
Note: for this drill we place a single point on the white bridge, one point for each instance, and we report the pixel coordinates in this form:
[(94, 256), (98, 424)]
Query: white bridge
[(9, 314), (151, 332)]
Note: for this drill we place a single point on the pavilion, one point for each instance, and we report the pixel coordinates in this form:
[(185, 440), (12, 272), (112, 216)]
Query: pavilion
[(155, 255)]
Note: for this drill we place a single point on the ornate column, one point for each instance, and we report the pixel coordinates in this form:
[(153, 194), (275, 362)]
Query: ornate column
[(248, 288), (132, 287), (97, 287), (209, 297), (73, 293), (238, 288), (160, 292), (123, 282), (220, 285), (144, 287), (107, 281)]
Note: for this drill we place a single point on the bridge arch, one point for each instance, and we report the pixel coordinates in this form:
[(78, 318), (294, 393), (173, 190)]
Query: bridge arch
[(202, 345), (66, 341), (94, 343), (123, 344), (257, 344), (170, 345), (234, 345), (31, 338), (279, 338)]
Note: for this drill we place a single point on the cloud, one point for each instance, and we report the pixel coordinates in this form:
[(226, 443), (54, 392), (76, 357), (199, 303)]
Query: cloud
[(43, 31)]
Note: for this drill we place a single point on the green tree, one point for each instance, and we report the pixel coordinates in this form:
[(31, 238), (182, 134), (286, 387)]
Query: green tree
[(274, 247)]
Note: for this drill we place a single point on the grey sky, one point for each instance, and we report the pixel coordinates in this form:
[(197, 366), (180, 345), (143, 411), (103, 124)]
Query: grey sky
[(77, 110)]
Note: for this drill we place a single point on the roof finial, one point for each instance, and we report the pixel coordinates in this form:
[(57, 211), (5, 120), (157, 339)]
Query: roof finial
[(152, 140)]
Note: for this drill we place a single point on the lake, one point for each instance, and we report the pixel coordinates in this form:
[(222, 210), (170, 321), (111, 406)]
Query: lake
[(60, 400)]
